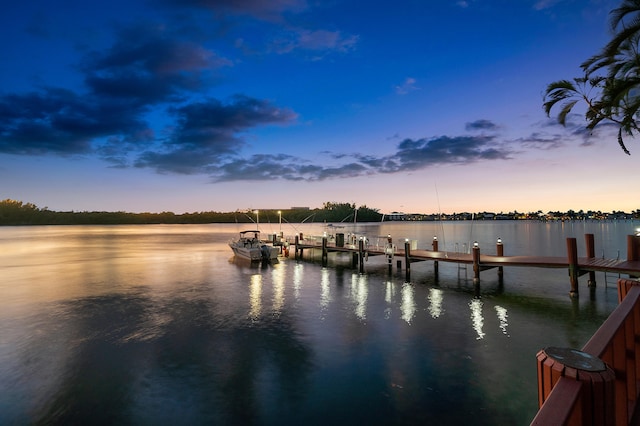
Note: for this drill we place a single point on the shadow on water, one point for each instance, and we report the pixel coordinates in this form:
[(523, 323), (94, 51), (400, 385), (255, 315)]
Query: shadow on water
[(137, 361)]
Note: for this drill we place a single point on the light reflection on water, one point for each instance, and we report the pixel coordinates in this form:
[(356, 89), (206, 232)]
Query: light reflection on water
[(159, 324)]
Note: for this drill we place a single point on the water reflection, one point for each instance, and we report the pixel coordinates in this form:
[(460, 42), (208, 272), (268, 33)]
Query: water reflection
[(389, 296), (277, 276), (502, 318), (325, 289), (255, 296), (359, 295), (408, 305), (298, 272), (435, 302), (477, 320)]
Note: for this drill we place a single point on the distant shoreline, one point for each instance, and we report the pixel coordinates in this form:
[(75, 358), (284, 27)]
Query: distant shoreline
[(17, 213)]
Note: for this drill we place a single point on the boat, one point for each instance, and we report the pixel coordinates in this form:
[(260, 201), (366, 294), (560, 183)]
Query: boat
[(250, 246)]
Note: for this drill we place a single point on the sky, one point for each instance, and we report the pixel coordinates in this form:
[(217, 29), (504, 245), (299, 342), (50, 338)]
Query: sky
[(218, 105)]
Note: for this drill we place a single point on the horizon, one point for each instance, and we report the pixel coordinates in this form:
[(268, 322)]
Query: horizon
[(202, 106)]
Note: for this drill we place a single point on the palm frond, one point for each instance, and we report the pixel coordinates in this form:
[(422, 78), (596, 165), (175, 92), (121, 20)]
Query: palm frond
[(621, 142)]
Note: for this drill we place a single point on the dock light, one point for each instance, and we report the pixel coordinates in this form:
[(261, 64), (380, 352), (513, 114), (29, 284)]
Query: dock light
[(637, 232), (324, 234), (406, 240), (435, 238), (499, 240), (475, 244)]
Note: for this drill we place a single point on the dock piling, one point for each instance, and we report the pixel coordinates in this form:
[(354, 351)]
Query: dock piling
[(500, 252), (407, 260), (572, 258), (476, 263), (361, 254), (591, 253), (435, 262), (389, 251), (325, 253)]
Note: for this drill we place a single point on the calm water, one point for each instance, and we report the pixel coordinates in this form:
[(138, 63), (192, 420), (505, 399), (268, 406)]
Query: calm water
[(159, 325)]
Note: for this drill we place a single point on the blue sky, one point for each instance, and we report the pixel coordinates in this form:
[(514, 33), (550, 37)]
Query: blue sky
[(415, 106)]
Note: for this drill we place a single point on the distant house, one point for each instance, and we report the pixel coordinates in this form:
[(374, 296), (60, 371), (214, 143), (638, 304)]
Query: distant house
[(396, 216)]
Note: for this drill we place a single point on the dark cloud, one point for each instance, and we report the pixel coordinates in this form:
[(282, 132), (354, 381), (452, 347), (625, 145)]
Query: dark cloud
[(410, 155), (417, 154), (61, 122), (208, 132), (481, 125), (147, 65)]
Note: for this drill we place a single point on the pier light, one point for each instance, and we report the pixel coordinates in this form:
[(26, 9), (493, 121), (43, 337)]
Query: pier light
[(435, 238), (324, 234), (280, 219), (475, 244), (637, 232), (499, 241), (406, 240)]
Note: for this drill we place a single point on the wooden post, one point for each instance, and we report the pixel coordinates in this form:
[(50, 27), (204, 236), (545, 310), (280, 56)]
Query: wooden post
[(572, 258), (297, 243), (407, 260), (633, 247), (591, 253), (389, 251), (325, 254), (435, 262), (476, 263), (500, 252), (361, 254)]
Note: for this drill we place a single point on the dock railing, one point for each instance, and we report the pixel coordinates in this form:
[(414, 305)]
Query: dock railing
[(598, 385)]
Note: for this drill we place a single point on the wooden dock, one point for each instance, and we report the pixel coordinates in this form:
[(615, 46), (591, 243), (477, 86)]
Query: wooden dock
[(577, 266)]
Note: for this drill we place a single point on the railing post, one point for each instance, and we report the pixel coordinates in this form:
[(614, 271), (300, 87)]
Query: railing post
[(591, 253), (596, 402), (572, 258)]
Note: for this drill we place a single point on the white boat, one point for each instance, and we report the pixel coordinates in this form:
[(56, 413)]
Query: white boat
[(250, 246)]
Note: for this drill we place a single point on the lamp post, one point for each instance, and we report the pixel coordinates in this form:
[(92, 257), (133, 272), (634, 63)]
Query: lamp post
[(280, 220)]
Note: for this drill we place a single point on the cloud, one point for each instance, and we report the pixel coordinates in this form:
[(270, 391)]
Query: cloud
[(481, 124), (206, 133), (545, 4), (61, 122), (410, 155), (147, 65), (408, 85), (313, 40)]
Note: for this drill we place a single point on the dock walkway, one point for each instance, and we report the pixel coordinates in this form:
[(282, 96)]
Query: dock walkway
[(576, 265)]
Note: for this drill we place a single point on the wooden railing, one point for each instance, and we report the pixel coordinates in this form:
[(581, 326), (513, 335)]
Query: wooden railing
[(577, 395)]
